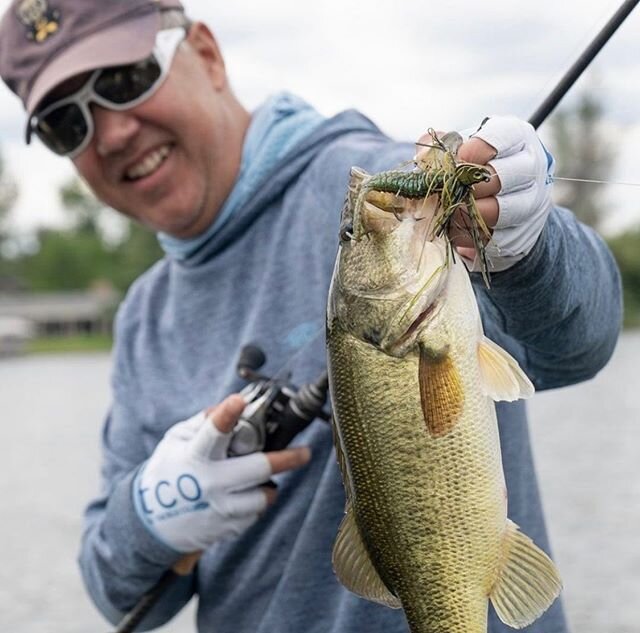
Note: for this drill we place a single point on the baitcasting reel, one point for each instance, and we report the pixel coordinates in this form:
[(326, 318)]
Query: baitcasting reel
[(276, 411)]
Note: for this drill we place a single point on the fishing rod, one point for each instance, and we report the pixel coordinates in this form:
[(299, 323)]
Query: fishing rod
[(131, 620), (570, 77)]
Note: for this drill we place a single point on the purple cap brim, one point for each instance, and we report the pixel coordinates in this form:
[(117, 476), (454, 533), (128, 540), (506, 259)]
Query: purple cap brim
[(123, 43)]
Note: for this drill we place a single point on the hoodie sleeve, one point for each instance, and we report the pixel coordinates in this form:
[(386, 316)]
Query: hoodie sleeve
[(559, 310), (119, 558)]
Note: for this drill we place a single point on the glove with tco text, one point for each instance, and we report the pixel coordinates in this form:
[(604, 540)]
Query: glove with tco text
[(191, 495), (515, 203)]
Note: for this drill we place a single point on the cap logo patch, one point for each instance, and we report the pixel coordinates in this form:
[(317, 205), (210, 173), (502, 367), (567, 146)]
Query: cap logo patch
[(41, 20)]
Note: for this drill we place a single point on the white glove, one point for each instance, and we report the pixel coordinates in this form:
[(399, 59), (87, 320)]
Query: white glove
[(191, 495), (525, 169)]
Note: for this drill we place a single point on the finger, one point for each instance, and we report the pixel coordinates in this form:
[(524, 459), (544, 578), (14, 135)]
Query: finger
[(213, 438), (186, 564), (461, 238), (209, 443), (516, 172), (460, 229), (476, 150), (506, 133), (516, 208), (427, 139), (468, 252), (288, 459), (225, 415), (424, 147), (246, 503), (248, 471), (490, 188), (270, 493), (489, 209), (187, 429)]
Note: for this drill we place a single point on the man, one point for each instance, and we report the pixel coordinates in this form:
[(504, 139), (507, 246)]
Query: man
[(247, 210)]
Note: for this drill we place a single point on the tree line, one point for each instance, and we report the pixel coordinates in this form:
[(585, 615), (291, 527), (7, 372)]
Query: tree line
[(83, 254), (77, 256)]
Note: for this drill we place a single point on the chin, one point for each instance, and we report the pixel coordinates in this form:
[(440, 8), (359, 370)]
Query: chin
[(186, 228), (181, 218)]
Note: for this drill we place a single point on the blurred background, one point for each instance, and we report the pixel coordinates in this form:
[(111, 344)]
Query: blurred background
[(65, 262)]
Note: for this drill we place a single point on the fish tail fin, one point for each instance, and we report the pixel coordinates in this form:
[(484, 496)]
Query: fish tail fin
[(527, 582)]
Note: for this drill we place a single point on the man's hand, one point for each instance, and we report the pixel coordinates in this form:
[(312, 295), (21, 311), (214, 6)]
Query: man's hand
[(191, 495), (515, 203)]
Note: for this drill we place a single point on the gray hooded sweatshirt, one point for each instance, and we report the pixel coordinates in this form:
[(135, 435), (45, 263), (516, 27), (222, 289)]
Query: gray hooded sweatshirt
[(263, 278)]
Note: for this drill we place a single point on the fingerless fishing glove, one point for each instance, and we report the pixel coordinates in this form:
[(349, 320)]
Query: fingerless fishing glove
[(525, 169), (189, 494)]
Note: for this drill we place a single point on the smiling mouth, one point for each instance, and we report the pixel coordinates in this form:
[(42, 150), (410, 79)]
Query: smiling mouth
[(149, 164)]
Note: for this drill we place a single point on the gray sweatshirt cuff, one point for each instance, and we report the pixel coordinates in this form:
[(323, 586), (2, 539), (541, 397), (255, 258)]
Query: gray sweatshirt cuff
[(122, 526), (121, 561)]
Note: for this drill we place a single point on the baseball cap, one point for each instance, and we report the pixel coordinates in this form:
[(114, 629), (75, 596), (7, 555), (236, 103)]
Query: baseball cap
[(45, 42)]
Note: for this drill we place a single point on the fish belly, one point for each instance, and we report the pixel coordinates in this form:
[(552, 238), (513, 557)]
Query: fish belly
[(431, 510)]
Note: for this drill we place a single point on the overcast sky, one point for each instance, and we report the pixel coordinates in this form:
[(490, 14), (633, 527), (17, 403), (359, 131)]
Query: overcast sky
[(407, 64)]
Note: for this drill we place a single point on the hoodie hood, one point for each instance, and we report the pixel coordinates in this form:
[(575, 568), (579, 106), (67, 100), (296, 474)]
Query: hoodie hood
[(272, 182)]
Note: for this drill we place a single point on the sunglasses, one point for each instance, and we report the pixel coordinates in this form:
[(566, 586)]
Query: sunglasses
[(66, 126)]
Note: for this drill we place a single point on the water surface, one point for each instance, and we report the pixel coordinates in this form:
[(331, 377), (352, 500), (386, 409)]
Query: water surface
[(587, 441)]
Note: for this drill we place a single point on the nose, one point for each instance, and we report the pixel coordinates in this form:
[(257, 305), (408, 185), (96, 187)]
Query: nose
[(113, 130)]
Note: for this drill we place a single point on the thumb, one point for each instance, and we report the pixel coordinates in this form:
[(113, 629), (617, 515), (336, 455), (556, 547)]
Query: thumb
[(213, 438)]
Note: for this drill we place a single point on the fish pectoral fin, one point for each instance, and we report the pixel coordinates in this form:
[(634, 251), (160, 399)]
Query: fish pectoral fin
[(502, 378), (527, 581), (441, 393), (353, 566)]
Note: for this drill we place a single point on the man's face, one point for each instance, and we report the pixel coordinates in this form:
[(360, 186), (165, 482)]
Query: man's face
[(171, 161)]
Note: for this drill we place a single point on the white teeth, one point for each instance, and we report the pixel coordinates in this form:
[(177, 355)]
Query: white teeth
[(148, 164)]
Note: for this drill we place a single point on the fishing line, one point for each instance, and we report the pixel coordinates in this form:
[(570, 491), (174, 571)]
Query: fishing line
[(554, 178), (566, 178), (599, 182), (314, 336)]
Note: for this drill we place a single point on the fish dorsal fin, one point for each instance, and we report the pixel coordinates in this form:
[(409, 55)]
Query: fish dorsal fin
[(502, 377), (353, 565), (527, 582), (441, 393)]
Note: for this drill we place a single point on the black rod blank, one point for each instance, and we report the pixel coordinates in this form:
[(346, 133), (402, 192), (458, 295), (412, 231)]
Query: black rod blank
[(547, 106)]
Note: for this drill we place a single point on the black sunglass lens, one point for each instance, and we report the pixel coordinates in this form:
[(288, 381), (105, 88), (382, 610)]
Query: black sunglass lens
[(63, 129), (122, 84)]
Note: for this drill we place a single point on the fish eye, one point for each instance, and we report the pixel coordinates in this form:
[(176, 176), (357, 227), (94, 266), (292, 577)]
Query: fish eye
[(346, 232)]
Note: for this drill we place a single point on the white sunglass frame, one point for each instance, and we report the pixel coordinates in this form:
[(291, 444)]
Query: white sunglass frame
[(164, 50)]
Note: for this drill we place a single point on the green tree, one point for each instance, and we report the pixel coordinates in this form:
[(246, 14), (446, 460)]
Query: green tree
[(8, 195), (128, 258), (66, 260), (135, 253), (77, 257), (9, 280), (82, 206), (582, 150), (626, 250)]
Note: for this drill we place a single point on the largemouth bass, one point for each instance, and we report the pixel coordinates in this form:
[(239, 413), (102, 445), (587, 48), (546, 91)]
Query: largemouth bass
[(412, 381)]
